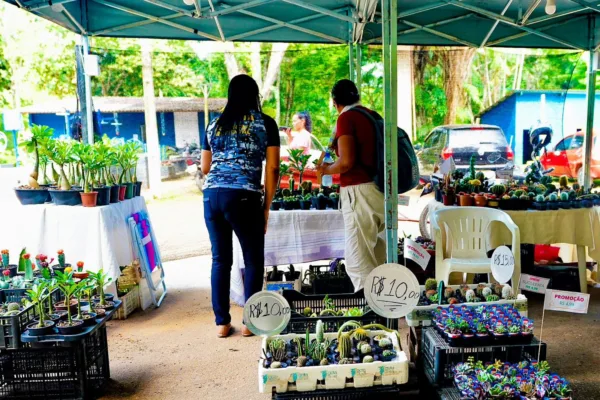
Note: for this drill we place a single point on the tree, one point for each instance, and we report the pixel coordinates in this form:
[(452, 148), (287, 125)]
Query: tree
[(456, 63)]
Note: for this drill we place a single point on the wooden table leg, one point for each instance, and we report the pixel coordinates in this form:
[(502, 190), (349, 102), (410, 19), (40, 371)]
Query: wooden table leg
[(582, 264)]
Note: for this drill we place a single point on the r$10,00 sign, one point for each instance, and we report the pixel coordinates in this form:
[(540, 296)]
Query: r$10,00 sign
[(267, 313), (392, 290)]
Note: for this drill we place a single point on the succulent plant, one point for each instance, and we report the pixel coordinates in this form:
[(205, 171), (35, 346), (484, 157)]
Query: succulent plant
[(553, 197), (276, 365), (368, 359), (389, 353), (452, 300), (507, 292), (385, 343), (564, 196), (431, 284), (277, 349), (5, 258), (486, 292), (365, 349), (539, 198), (307, 311), (324, 362), (430, 293), (497, 288), (434, 298), (345, 345), (479, 289), (470, 296), (13, 307), (360, 334), (320, 351), (492, 297), (480, 176), (328, 313), (301, 362), (345, 361)]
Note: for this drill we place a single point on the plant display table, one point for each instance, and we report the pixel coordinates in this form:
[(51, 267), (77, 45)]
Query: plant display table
[(294, 237), (97, 235), (580, 227)]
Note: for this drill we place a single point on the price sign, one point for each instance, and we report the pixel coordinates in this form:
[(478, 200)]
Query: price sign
[(503, 264), (392, 290), (414, 251), (266, 313), (574, 302), (534, 283)]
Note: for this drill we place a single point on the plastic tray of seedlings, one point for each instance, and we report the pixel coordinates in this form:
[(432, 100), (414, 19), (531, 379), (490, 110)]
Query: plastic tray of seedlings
[(438, 357), (16, 312), (422, 314), (371, 358), (334, 310)]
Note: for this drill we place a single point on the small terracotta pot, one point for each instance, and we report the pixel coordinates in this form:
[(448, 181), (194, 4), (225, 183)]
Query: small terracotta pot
[(89, 199), (448, 199), (466, 200), (480, 201)]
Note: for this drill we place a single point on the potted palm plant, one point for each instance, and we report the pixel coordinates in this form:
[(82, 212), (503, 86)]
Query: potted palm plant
[(102, 300), (83, 287), (61, 153), (135, 151), (122, 157), (88, 159), (33, 193), (298, 161), (42, 326), (68, 287), (101, 180)]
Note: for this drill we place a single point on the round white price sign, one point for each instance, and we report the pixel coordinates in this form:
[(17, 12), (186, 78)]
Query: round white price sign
[(267, 313), (392, 290), (503, 264)]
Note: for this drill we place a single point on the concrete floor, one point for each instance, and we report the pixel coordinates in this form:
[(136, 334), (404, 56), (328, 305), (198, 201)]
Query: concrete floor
[(173, 353)]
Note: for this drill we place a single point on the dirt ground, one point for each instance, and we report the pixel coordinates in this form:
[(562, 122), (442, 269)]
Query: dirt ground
[(173, 353)]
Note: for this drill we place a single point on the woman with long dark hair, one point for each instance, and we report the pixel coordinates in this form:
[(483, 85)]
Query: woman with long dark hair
[(233, 150), (299, 137)]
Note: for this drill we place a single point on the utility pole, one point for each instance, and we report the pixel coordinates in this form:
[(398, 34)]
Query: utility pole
[(152, 144)]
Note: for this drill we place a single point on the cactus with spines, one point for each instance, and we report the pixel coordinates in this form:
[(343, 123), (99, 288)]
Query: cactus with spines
[(324, 362), (480, 176), (61, 258), (344, 361), (486, 292), (277, 349), (479, 289), (389, 353), (385, 343), (563, 181), (498, 190), (5, 258), (307, 311), (320, 331), (431, 284), (470, 296), (360, 334), (507, 292), (368, 359), (320, 351), (365, 349), (345, 345)]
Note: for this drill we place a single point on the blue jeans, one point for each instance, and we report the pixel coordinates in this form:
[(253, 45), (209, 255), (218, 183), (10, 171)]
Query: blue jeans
[(240, 211)]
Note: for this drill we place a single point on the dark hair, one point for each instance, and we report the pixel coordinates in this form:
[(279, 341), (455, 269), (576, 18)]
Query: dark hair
[(242, 98), (305, 116), (345, 92)]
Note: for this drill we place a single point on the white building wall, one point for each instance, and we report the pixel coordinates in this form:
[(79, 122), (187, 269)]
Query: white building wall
[(186, 128), (405, 89)]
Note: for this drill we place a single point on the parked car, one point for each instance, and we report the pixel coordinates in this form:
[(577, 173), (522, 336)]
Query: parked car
[(486, 142), (567, 157), (310, 174)]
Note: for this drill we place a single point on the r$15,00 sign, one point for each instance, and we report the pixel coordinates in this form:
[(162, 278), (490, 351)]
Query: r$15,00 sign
[(392, 290), (267, 313)]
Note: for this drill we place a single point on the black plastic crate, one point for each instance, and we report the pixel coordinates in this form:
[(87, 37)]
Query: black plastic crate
[(449, 394), (563, 276), (298, 302), (58, 370), (438, 357), (325, 282), (12, 327)]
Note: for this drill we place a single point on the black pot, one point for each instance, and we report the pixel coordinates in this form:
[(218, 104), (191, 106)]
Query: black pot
[(66, 197), (103, 198), (89, 321), (288, 205), (321, 203), (35, 331), (335, 203), (137, 191), (107, 297), (57, 267), (129, 191), (114, 193), (70, 330), (305, 204), (32, 196), (276, 205), (109, 306)]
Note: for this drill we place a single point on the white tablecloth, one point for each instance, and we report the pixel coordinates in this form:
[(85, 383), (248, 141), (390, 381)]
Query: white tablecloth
[(98, 236), (294, 237)]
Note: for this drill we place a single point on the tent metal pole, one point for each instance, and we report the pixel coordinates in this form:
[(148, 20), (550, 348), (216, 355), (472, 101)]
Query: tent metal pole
[(88, 134), (390, 84), (359, 67), (591, 102), (351, 61)]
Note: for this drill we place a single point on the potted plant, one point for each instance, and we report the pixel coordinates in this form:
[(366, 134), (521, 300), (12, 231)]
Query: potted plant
[(43, 326), (6, 266), (284, 170), (33, 193), (68, 288), (306, 202), (514, 333), (135, 149), (88, 318), (288, 203), (120, 154), (482, 333), (110, 153), (101, 181), (499, 333), (102, 300), (62, 264), (87, 157), (80, 273), (61, 153), (321, 202), (298, 161), (335, 200), (467, 332)]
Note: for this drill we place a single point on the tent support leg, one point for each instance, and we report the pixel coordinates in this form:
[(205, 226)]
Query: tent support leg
[(359, 67), (591, 102), (390, 84), (88, 120), (351, 61)]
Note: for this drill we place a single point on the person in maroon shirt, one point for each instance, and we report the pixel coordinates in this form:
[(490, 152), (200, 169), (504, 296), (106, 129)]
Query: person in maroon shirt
[(361, 201)]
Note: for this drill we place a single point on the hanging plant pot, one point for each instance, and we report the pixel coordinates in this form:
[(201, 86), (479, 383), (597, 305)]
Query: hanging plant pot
[(129, 191), (114, 193), (103, 195), (89, 199), (138, 189), (122, 189), (32, 196), (66, 197)]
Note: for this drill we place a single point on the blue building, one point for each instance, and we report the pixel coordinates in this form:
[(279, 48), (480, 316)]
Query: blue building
[(565, 111), (180, 119)]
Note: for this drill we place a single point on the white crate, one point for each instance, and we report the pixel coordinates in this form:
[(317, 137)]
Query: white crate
[(305, 379), (422, 315), (131, 302)]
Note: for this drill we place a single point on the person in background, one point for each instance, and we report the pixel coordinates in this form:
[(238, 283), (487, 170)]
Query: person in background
[(299, 137), (233, 151), (361, 201)]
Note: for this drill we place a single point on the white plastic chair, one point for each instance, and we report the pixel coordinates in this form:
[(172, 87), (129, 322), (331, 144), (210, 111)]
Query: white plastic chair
[(463, 239)]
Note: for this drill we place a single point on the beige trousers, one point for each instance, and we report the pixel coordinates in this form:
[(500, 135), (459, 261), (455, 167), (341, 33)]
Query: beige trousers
[(364, 222)]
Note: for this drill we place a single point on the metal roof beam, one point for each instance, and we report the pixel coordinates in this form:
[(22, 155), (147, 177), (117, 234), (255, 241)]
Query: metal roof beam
[(414, 11), (487, 37), (171, 7), (212, 8), (231, 10), (133, 25), (510, 22), (45, 4), (438, 33), (529, 11), (275, 27), (587, 5), (322, 10), (199, 9), (523, 34), (291, 26), (156, 19), (554, 16)]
